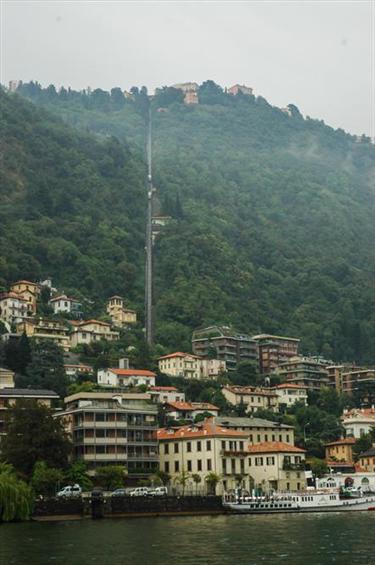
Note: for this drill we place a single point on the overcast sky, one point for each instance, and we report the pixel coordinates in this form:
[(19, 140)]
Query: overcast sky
[(317, 55)]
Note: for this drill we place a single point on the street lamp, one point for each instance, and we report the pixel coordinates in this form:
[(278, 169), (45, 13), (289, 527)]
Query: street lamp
[(304, 431)]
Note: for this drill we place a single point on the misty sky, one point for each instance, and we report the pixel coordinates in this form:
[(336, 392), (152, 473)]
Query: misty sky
[(317, 55)]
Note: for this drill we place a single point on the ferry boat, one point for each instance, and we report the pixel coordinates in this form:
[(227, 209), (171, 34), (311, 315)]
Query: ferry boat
[(305, 501)]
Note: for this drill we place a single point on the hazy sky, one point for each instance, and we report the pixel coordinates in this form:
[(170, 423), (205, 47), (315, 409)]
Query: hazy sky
[(317, 55)]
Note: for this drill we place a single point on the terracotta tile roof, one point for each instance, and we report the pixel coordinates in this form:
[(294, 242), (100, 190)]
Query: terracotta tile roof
[(274, 447), (78, 366), (178, 354), (12, 295), (191, 406), (23, 282), (164, 388), (132, 372), (84, 323), (63, 297), (342, 441), (242, 390), (340, 463), (203, 429)]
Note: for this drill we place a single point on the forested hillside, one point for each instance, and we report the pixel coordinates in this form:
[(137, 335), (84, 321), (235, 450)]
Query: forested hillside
[(273, 215)]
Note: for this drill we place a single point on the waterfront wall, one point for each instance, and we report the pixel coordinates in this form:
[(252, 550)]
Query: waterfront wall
[(126, 506)]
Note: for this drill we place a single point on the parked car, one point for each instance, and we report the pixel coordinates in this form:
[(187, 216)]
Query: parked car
[(119, 492), (70, 491), (140, 491), (159, 491)]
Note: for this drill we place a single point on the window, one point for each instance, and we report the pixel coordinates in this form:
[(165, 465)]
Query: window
[(188, 446), (270, 460), (287, 486), (208, 445), (209, 465), (223, 445), (273, 437), (176, 466), (280, 437), (258, 438), (265, 437), (287, 438), (258, 461), (176, 447), (249, 462), (166, 448), (251, 438), (241, 445), (189, 467), (199, 446), (166, 467), (199, 465), (224, 466)]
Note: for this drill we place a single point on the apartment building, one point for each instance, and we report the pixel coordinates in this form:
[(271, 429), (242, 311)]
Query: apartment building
[(13, 308), (277, 466), (113, 429), (163, 394), (45, 328), (120, 315), (202, 449), (226, 344), (274, 350), (290, 393), (190, 366), (253, 398), (89, 331), (258, 429), (360, 381), (303, 371), (335, 373)]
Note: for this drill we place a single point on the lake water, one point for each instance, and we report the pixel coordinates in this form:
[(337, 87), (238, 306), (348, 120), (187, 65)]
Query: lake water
[(313, 539)]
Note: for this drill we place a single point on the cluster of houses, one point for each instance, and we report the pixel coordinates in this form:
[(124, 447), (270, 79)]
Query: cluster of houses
[(66, 328)]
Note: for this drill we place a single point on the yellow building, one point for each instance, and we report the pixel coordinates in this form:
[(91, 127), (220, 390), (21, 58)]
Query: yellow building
[(253, 398), (258, 429), (340, 450), (43, 328), (6, 378), (201, 449), (180, 364), (90, 331), (29, 291), (119, 314)]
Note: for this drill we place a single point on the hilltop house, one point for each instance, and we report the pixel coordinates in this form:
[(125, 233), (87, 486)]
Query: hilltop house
[(119, 314), (29, 291), (253, 398), (13, 308), (91, 330), (127, 378), (63, 303)]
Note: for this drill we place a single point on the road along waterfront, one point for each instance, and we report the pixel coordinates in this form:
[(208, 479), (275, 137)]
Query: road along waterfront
[(293, 539)]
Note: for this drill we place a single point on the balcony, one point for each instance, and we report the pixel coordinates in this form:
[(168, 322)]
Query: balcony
[(293, 466), (115, 457)]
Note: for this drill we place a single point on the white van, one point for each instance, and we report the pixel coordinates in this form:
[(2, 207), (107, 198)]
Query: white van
[(140, 491), (70, 491), (159, 491)]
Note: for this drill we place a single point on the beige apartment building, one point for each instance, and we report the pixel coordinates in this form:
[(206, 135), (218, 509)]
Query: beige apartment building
[(304, 371), (44, 328), (202, 449), (277, 466), (113, 429), (119, 314), (354, 380), (190, 366), (92, 330), (254, 398), (13, 308), (29, 291)]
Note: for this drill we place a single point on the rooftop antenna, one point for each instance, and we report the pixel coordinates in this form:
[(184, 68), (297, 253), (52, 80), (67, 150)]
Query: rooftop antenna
[(148, 270)]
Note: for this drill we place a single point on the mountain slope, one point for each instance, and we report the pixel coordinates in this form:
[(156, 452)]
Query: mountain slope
[(273, 218)]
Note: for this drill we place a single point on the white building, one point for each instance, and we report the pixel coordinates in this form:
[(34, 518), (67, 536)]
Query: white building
[(125, 378), (65, 304), (290, 393), (13, 308), (73, 370), (190, 366), (162, 394), (358, 421), (365, 481)]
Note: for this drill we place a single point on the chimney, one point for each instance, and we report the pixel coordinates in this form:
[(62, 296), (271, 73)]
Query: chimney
[(123, 363)]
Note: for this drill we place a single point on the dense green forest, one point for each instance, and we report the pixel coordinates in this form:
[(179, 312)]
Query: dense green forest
[(272, 214)]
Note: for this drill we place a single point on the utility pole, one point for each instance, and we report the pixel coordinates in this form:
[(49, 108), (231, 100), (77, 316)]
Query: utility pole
[(148, 270)]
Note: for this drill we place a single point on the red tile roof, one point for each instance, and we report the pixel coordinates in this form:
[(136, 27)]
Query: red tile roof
[(203, 429), (24, 282), (132, 372), (12, 295), (191, 406), (63, 297), (342, 441), (274, 447), (290, 385), (249, 390), (84, 323)]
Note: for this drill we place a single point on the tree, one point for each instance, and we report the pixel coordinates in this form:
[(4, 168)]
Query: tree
[(16, 498), (317, 466), (77, 473), (363, 443), (182, 479), (32, 435), (212, 479), (197, 479), (166, 96), (110, 477), (18, 354), (46, 480), (117, 98), (163, 476)]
